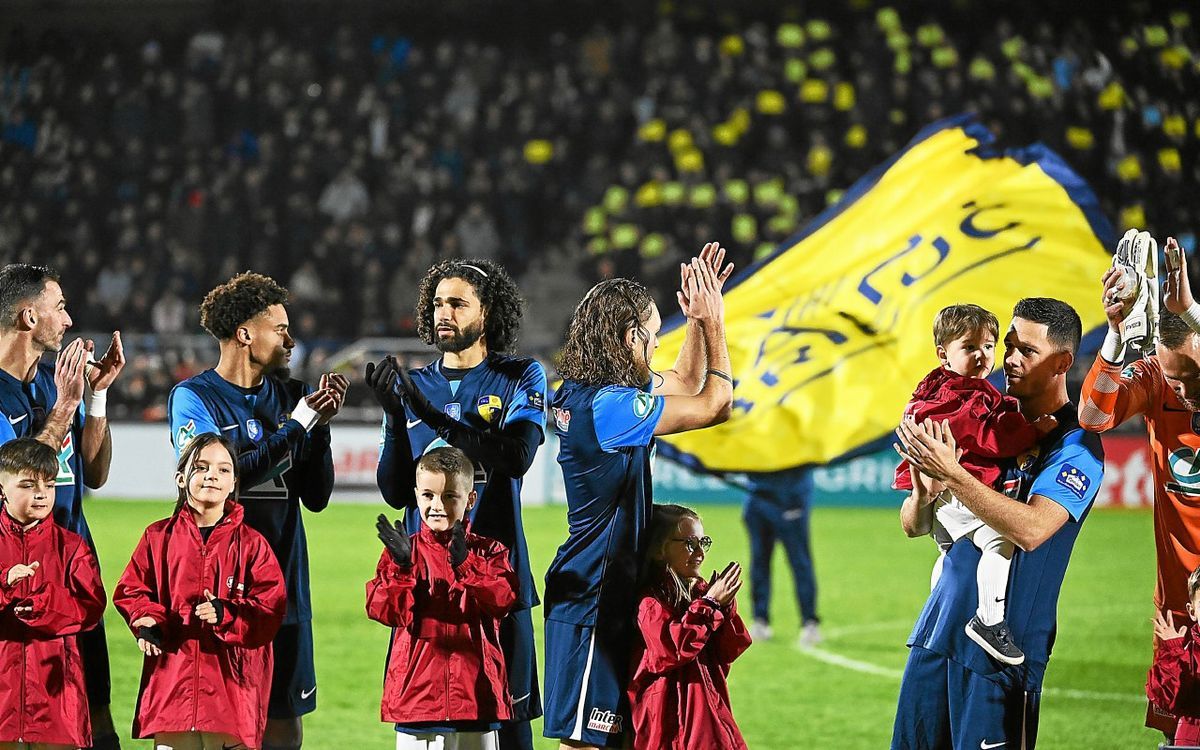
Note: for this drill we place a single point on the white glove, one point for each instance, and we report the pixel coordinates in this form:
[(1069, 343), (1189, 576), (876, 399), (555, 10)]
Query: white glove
[(1137, 260)]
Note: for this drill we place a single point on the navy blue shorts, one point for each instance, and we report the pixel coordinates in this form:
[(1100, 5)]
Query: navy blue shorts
[(945, 705), (587, 671), (520, 659), (294, 681), (93, 652)]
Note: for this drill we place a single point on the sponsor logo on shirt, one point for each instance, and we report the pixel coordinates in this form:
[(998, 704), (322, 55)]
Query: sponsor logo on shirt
[(643, 404), (1185, 466), (537, 400), (562, 418), (254, 429), (489, 407), (1074, 480), (604, 721), (454, 410), (186, 433), (1128, 372), (66, 476)]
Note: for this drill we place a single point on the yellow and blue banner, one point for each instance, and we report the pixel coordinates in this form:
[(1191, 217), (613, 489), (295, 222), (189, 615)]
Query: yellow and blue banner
[(830, 334)]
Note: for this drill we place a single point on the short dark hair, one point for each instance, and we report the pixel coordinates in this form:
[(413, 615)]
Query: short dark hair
[(958, 320), (497, 293), (449, 462), (1173, 331), (1063, 326), (20, 282), (29, 455), (241, 298)]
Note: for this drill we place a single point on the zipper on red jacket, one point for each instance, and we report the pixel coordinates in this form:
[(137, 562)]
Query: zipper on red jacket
[(196, 655), (24, 651)]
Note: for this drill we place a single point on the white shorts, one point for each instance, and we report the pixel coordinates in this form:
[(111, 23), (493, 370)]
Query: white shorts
[(447, 741), (954, 517)]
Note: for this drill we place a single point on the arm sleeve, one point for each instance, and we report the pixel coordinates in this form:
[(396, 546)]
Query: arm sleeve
[(390, 593), (625, 417), (673, 640), (188, 417), (1071, 476), (7, 432), (136, 595), (489, 580), (509, 450), (732, 638), (529, 400), (316, 470), (74, 605), (396, 471), (1172, 680), (1111, 395), (252, 619)]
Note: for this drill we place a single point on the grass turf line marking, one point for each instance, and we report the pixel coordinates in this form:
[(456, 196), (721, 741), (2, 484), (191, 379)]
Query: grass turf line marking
[(845, 662)]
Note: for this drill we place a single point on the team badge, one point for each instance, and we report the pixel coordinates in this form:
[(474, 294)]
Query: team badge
[(562, 418), (1026, 459), (254, 429), (454, 410), (489, 407), (1074, 480)]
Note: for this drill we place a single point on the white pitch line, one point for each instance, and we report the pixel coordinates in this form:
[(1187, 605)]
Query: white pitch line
[(855, 665)]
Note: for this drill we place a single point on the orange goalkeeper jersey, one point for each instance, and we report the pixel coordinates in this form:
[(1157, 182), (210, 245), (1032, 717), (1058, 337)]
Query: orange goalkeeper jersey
[(1110, 396)]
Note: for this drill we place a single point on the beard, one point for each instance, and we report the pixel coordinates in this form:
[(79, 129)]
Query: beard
[(460, 340)]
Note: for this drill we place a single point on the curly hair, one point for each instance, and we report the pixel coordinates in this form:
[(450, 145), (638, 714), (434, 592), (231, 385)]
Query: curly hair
[(498, 294), (596, 352), (241, 298)]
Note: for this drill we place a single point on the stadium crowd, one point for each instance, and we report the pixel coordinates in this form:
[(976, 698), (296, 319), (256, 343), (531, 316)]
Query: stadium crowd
[(345, 158)]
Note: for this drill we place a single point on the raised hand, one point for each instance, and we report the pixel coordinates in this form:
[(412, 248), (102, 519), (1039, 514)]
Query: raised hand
[(324, 401), (1164, 629), (69, 372), (1116, 308), (337, 385), (19, 572), (712, 256), (724, 587), (928, 446), (417, 402), (395, 540), (149, 635), (702, 294), (211, 610), (1177, 289), (381, 379), (102, 372)]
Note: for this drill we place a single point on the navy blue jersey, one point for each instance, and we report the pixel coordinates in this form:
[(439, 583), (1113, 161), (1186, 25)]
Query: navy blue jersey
[(1067, 467), (25, 407), (606, 436), (281, 465), (496, 393)]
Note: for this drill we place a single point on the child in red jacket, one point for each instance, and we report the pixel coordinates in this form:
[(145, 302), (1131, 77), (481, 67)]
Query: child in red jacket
[(691, 633), (50, 590), (1174, 680), (204, 597), (988, 427), (443, 591)]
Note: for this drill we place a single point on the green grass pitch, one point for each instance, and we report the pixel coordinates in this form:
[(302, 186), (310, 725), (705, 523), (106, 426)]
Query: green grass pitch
[(872, 584)]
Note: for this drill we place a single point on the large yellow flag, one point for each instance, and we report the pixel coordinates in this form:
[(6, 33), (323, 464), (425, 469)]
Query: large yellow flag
[(830, 334)]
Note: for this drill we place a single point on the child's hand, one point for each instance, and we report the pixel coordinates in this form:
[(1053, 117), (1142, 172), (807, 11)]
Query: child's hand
[(149, 636), (17, 572), (724, 587), (23, 608), (211, 610), (1165, 629), (396, 540), (458, 544), (1045, 423)]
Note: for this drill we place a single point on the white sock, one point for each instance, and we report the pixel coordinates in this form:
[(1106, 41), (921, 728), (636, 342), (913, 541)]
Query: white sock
[(992, 574)]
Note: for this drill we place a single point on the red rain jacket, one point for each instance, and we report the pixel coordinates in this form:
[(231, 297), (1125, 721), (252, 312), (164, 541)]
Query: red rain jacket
[(445, 662), (986, 424), (678, 696), (208, 678), (42, 694), (1174, 683)]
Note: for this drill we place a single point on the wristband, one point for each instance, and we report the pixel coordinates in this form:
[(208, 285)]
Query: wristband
[(1191, 316), (712, 602), (97, 404), (1113, 350), (729, 379), (305, 415)]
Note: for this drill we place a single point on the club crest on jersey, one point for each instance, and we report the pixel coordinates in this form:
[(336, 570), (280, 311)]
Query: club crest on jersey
[(454, 410), (1074, 480), (254, 429), (1026, 459), (489, 407), (562, 418)]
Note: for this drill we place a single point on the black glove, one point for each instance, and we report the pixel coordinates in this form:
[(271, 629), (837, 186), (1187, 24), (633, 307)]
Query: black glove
[(458, 544), (422, 407), (151, 634), (381, 379), (218, 608), (396, 540)]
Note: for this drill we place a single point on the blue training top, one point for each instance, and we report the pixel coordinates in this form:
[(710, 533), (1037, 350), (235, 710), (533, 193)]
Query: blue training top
[(1067, 467), (25, 407), (606, 436), (281, 465), (495, 393)]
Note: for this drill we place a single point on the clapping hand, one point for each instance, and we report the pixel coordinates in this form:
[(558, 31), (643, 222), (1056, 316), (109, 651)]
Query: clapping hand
[(1165, 629), (723, 588)]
